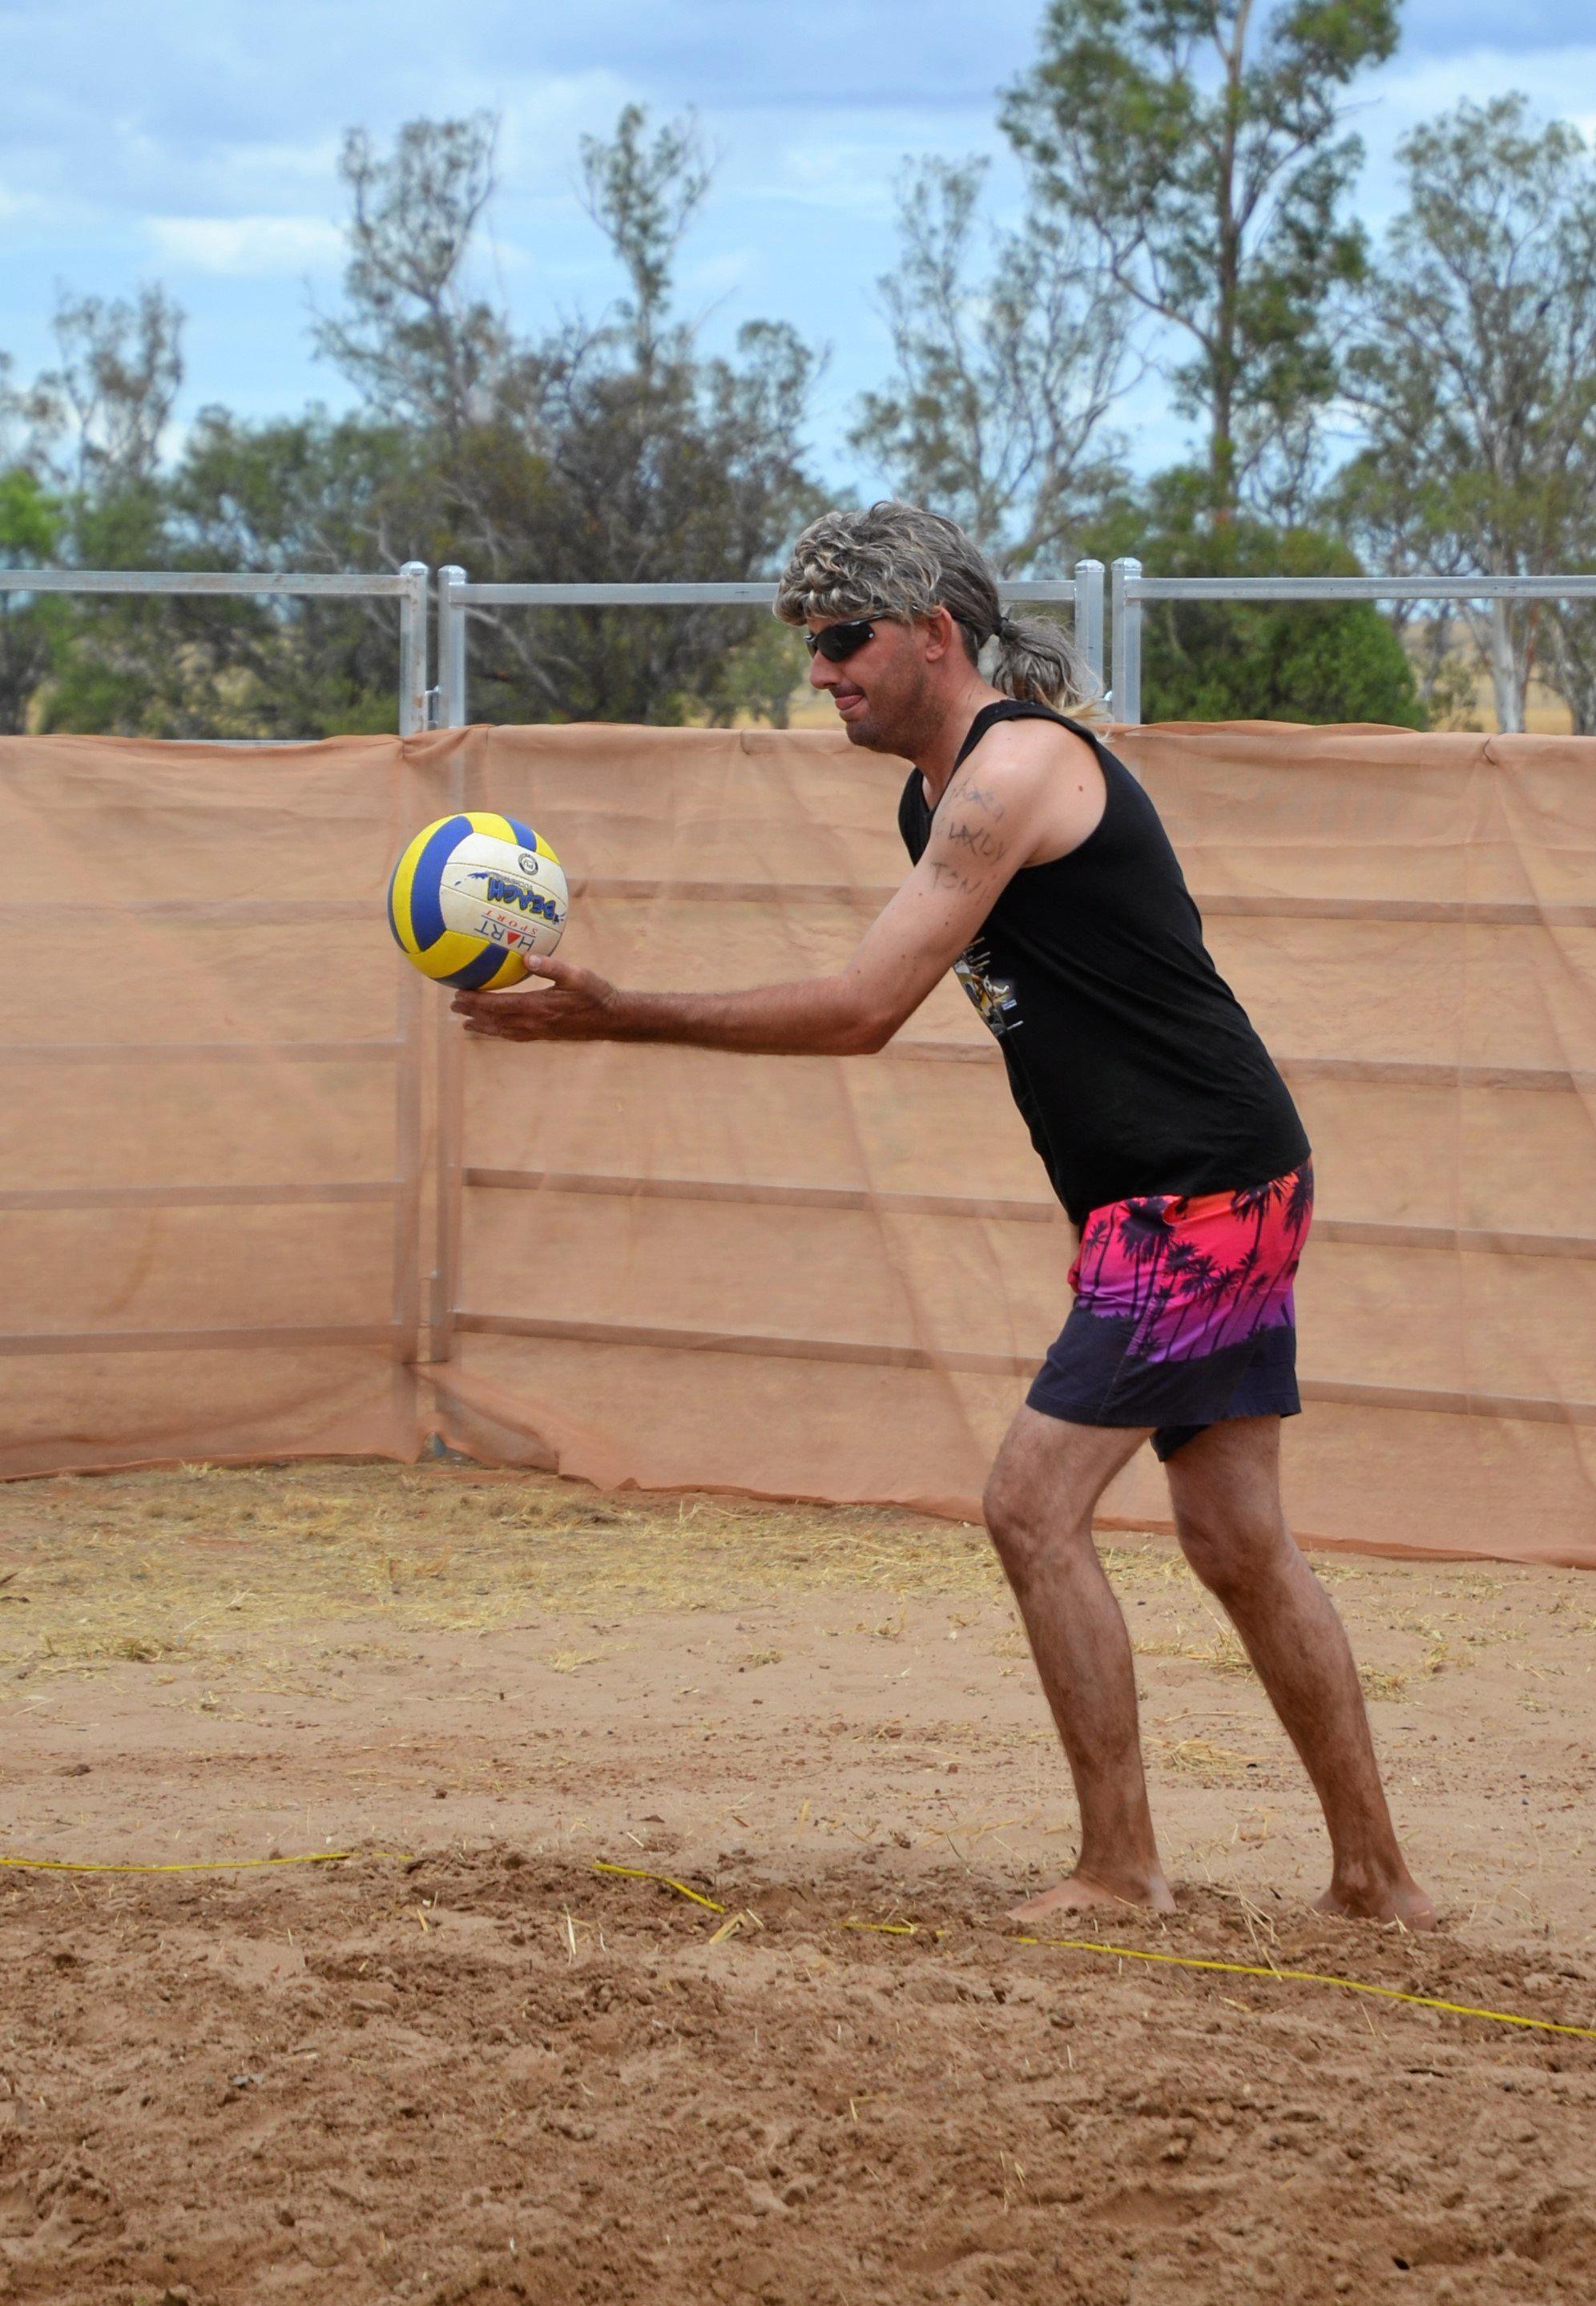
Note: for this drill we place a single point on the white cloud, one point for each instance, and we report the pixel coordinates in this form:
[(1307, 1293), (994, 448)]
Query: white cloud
[(1400, 98), (248, 247), (851, 177), (1402, 94), (720, 275), (309, 163)]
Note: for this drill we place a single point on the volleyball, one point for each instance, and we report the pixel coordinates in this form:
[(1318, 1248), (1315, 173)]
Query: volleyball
[(475, 898)]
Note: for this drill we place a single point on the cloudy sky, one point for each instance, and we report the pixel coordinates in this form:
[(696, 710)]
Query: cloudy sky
[(194, 142)]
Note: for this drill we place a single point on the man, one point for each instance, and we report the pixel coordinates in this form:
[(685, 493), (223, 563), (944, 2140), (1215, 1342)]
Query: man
[(1041, 873)]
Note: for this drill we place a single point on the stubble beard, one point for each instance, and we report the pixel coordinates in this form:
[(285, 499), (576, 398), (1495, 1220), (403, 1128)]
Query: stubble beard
[(901, 732)]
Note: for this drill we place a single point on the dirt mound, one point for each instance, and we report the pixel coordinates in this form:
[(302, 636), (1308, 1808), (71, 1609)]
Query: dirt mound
[(488, 2078)]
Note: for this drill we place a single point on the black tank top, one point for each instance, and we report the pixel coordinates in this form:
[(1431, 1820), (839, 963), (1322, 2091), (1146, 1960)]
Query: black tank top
[(1134, 1065)]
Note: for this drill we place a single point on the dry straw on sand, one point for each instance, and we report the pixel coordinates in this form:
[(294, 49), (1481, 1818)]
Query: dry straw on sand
[(202, 1565)]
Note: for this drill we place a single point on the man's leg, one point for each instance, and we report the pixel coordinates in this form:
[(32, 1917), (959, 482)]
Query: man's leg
[(1225, 1486), (1038, 1505)]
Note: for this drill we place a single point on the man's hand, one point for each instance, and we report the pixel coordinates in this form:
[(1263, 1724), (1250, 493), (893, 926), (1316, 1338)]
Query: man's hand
[(576, 1004)]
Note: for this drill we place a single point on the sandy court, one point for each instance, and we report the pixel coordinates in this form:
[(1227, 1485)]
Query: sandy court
[(466, 2064)]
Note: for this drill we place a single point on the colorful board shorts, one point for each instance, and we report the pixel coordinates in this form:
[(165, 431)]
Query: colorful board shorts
[(1183, 1313)]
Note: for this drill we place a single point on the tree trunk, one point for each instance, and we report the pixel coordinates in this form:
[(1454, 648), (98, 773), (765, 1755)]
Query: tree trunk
[(1571, 631), (1509, 670), (1222, 449)]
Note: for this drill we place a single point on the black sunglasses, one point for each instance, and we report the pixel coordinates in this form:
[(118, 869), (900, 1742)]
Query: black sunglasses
[(837, 641)]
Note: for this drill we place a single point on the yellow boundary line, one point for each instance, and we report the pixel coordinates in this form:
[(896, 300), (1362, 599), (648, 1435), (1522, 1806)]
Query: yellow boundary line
[(641, 1873), (1314, 1978), (1174, 1961), (196, 1864)]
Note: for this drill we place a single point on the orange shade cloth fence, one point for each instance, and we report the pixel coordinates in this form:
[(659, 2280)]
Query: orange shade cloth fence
[(239, 1138)]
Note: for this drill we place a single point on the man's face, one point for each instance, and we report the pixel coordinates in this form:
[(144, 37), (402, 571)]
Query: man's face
[(882, 691)]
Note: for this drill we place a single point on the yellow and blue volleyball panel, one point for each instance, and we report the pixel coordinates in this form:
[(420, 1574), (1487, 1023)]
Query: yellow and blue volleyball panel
[(475, 898)]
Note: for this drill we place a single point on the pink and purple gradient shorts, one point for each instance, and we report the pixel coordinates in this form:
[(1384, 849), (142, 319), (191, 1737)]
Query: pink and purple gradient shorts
[(1183, 1313)]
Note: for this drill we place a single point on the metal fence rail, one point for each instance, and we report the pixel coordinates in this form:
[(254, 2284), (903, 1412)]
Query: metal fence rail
[(457, 596), (1130, 590), (407, 586)]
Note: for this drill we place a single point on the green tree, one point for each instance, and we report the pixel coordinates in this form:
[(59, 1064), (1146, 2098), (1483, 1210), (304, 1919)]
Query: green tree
[(606, 451), (662, 463), (643, 196), (1570, 663), (309, 495), (101, 414), (420, 346), (1256, 661), (612, 451), (1475, 376), (30, 532), (1200, 140), (109, 399), (1003, 382)]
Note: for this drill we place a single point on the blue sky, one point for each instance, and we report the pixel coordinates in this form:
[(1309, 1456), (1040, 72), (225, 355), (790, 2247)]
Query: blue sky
[(194, 142)]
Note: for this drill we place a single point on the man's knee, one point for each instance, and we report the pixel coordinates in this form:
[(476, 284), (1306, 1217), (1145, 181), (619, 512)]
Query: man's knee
[(1229, 1552), (1026, 1519)]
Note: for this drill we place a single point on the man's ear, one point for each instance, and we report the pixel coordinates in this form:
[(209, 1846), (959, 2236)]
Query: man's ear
[(941, 635)]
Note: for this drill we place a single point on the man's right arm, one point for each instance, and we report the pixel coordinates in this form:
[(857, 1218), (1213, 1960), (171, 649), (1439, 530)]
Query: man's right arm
[(984, 831)]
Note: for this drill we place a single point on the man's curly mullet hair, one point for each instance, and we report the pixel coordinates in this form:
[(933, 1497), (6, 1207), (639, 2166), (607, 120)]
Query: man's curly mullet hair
[(896, 562)]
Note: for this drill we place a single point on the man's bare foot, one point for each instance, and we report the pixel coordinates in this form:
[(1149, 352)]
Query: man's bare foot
[(1365, 1898), (1078, 1894)]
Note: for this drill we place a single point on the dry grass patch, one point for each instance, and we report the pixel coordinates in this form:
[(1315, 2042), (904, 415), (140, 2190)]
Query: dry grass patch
[(194, 1565), (1201, 1757), (1223, 1654), (207, 1568)]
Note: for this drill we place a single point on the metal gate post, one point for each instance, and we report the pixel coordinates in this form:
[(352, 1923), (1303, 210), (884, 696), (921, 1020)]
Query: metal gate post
[(1126, 691), (451, 648), (413, 649), (1088, 614), (450, 1126)]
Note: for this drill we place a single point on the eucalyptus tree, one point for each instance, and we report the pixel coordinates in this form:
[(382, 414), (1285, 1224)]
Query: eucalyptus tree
[(31, 519), (1006, 373), (99, 420), (1474, 375), (611, 449), (1201, 142)]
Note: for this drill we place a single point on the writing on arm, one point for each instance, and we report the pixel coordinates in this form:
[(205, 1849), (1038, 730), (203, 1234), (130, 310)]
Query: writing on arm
[(1029, 793), (987, 827)]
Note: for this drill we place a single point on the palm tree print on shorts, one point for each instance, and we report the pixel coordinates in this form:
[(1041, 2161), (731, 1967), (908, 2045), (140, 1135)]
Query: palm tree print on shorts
[(1196, 1274)]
